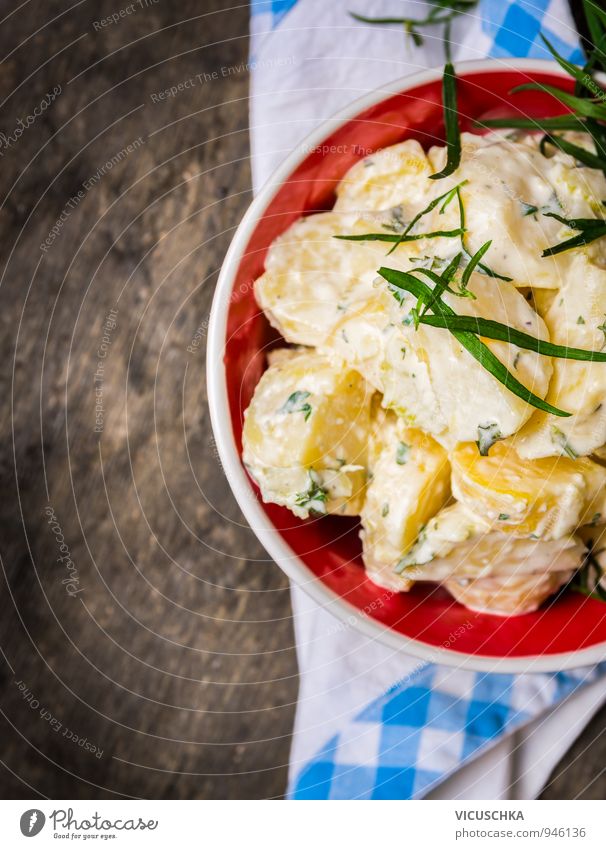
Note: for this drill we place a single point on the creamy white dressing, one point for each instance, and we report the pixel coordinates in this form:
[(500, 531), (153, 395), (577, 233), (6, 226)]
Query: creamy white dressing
[(325, 293)]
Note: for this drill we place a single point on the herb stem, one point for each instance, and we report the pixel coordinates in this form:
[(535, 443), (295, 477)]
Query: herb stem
[(451, 123)]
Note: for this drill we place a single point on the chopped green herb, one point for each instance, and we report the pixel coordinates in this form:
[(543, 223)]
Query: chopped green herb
[(580, 320), (528, 208), (446, 197), (396, 223), (490, 329), (442, 283), (408, 560), (398, 239), (295, 404), (314, 498), (488, 434), (595, 519), (503, 517), (401, 565), (385, 510), (559, 122), (402, 453)]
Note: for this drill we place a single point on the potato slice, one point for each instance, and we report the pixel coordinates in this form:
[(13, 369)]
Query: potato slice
[(458, 543), (392, 176), (369, 340), (409, 484), (311, 278), (547, 498), (507, 595), (575, 318), (305, 435)]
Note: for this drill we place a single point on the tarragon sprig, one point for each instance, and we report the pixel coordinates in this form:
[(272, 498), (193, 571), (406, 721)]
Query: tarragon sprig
[(588, 579), (587, 105), (451, 123), (590, 230), (405, 235)]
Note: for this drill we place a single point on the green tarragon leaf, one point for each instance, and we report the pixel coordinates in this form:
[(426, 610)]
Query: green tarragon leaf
[(594, 108), (296, 403), (546, 125), (451, 123), (578, 74), (488, 434)]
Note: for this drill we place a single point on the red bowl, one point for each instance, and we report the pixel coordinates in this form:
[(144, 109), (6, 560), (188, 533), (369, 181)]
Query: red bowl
[(324, 555)]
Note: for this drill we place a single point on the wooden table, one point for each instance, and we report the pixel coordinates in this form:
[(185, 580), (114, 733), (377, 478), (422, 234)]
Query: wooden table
[(147, 638)]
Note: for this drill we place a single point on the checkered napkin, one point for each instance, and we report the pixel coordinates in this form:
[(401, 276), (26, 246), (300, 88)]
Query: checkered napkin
[(436, 729)]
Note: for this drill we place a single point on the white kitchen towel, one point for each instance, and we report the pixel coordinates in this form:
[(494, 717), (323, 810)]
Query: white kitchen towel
[(309, 59)]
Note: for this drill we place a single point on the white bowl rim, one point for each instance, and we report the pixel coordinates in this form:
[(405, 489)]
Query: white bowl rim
[(220, 416)]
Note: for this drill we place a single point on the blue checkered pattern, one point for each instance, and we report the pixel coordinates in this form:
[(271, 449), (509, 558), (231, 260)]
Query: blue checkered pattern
[(513, 25), (411, 738), (276, 8)]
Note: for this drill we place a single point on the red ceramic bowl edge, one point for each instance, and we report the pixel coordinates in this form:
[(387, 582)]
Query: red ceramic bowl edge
[(267, 534)]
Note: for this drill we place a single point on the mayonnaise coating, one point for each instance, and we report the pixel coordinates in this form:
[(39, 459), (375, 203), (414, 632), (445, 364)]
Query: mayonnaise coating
[(457, 479)]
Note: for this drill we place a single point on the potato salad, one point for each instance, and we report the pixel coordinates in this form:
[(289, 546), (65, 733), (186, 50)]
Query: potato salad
[(443, 373)]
